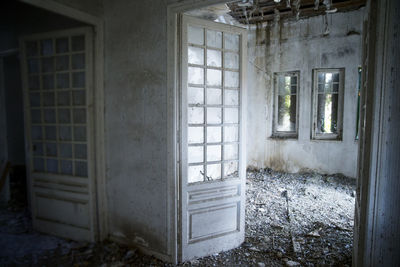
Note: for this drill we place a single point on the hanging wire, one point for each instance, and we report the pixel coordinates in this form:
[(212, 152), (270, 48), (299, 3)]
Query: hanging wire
[(316, 4)]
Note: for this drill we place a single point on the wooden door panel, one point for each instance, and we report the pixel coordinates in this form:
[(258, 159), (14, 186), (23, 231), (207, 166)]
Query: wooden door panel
[(58, 95), (212, 122)]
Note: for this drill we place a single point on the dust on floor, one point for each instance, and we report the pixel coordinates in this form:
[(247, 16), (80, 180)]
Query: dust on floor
[(291, 220)]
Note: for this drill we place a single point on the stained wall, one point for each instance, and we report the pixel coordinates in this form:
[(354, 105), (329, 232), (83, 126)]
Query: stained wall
[(303, 46)]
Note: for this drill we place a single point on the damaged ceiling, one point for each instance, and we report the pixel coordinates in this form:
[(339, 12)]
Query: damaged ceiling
[(260, 11)]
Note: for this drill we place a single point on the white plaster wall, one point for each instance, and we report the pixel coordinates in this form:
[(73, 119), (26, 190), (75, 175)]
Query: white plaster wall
[(301, 46), (136, 121)]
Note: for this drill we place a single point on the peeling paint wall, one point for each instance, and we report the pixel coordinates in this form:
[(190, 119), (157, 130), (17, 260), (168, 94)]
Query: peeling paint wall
[(301, 45), (136, 122)]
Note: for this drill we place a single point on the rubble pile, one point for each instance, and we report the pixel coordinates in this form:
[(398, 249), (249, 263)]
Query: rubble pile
[(291, 220)]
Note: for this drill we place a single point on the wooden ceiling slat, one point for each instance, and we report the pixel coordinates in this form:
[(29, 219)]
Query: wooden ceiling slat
[(306, 10)]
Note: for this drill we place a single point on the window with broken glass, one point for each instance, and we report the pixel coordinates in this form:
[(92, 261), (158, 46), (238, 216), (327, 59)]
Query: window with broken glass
[(328, 104), (286, 86)]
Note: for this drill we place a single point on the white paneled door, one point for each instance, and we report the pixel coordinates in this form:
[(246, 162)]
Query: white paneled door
[(212, 180), (57, 78)]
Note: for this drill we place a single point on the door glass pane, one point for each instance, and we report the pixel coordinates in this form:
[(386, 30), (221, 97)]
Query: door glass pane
[(213, 171), (231, 41), (81, 168), (62, 80), (33, 66), (66, 150), (48, 64), (52, 165), (214, 77), (48, 99), (79, 98), (195, 75), (214, 96), (214, 39), (214, 115), (80, 133), (66, 167), (78, 79), (195, 154), (38, 149), (232, 97), (64, 116), (231, 151), (62, 63), (214, 134), (231, 60), (231, 169), (51, 149), (196, 35), (195, 135), (214, 58), (80, 151), (50, 116), (231, 115), (50, 132), (65, 133), (196, 55), (78, 61), (195, 95), (213, 153), (46, 47), (48, 81), (196, 115), (196, 174), (36, 132), (231, 79), (231, 133), (79, 115), (62, 45)]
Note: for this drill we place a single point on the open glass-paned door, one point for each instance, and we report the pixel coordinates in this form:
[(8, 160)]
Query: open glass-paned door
[(212, 180), (57, 78)]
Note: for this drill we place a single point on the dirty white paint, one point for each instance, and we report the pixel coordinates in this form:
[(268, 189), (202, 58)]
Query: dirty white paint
[(136, 122), (301, 46)]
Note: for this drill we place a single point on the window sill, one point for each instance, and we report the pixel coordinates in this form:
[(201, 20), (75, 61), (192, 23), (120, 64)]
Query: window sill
[(327, 138), (283, 136)]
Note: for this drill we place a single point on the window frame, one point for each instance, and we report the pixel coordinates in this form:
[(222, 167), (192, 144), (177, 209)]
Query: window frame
[(275, 132), (328, 136)]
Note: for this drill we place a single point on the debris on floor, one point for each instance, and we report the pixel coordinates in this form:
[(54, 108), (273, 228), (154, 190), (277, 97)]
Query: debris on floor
[(291, 220)]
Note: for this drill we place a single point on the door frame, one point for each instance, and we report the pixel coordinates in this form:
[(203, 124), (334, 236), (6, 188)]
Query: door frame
[(98, 93)]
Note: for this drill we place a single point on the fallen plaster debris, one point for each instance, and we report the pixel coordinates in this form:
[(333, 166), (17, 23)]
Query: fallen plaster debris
[(291, 220)]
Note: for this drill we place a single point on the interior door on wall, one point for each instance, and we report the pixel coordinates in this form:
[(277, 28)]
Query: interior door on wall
[(212, 181), (57, 80)]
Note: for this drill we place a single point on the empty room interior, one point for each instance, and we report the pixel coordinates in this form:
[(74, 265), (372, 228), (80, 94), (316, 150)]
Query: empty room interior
[(199, 133)]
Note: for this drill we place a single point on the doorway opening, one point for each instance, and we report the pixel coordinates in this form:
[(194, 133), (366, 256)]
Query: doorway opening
[(303, 65), (47, 81)]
